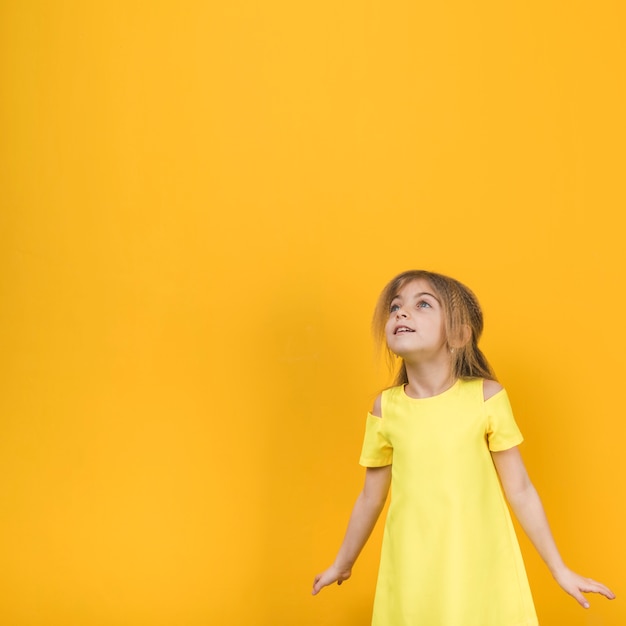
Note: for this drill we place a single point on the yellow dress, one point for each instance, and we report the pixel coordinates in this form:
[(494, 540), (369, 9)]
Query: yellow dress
[(450, 556)]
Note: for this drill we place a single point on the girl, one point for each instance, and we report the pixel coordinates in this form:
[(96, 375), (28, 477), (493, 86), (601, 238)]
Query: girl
[(442, 438)]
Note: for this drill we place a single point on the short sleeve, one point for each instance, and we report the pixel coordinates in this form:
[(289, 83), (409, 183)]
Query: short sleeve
[(502, 430), (376, 451)]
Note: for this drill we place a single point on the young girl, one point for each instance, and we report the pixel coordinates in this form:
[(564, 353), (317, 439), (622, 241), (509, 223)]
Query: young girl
[(445, 439)]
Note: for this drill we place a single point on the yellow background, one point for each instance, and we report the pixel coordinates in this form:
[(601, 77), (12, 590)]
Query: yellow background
[(200, 204)]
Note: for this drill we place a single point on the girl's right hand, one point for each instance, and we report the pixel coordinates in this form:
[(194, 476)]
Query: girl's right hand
[(331, 575), (576, 585)]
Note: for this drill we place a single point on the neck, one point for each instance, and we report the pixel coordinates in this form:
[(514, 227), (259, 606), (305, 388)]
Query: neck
[(425, 382)]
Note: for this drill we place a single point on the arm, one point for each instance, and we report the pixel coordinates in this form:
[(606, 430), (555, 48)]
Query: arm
[(366, 510), (525, 502)]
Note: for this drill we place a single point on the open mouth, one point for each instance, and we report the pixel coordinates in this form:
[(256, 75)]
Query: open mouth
[(403, 329)]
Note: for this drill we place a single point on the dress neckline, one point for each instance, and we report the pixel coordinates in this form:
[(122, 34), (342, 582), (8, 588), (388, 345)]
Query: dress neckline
[(445, 392)]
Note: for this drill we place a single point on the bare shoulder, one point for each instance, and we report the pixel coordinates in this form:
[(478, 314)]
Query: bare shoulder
[(377, 409), (491, 388)]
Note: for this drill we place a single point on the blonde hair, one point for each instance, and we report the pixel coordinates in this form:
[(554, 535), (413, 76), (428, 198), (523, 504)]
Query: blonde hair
[(461, 311)]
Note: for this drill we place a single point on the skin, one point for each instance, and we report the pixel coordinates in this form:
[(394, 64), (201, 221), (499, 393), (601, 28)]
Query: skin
[(415, 331)]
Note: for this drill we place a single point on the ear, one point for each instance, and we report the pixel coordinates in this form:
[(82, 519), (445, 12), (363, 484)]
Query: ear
[(463, 339)]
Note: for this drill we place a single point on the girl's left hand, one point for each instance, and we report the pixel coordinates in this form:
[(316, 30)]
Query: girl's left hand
[(576, 585)]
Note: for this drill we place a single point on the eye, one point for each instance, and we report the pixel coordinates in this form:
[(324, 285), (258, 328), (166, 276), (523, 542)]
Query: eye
[(394, 307), (422, 304)]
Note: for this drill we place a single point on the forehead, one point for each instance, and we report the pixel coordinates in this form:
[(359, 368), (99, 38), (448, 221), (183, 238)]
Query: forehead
[(414, 287)]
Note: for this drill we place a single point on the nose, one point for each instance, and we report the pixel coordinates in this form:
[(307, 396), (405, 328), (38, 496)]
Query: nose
[(400, 313)]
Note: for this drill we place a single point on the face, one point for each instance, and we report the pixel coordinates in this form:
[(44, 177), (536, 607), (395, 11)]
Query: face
[(415, 328)]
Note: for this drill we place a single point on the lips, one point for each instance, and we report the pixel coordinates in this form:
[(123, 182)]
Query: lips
[(402, 329)]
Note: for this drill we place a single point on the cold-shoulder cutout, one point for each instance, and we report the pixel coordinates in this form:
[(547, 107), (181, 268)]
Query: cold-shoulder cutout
[(377, 410), (490, 388)]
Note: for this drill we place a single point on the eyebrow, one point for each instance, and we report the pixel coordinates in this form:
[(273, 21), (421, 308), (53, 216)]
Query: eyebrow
[(419, 295), (427, 293)]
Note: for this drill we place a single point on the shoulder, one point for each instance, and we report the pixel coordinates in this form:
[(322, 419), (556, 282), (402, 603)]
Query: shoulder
[(491, 388), (377, 409), (388, 398)]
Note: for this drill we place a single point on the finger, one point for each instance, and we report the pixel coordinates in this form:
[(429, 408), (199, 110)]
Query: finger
[(593, 586), (316, 586), (580, 599)]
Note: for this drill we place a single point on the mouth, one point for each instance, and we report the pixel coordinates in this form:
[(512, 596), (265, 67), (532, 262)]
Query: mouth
[(402, 329)]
